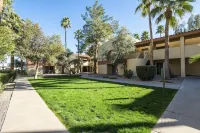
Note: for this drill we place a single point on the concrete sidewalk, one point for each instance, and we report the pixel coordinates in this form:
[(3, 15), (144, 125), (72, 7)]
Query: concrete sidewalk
[(28, 113), (134, 82), (182, 115)]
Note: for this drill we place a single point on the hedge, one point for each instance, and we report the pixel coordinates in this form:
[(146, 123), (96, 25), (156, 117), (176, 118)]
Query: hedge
[(146, 73), (128, 73), (5, 77)]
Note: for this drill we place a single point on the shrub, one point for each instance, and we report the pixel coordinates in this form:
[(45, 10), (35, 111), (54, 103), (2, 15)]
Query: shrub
[(128, 73), (7, 76), (146, 73)]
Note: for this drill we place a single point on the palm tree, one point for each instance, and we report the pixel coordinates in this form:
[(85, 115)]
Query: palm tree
[(160, 30), (169, 10), (194, 58), (145, 8), (145, 36), (78, 36), (65, 23)]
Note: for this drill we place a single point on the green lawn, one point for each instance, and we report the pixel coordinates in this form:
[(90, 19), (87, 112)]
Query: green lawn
[(94, 106)]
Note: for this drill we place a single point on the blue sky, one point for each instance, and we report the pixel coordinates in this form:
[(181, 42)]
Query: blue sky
[(48, 13)]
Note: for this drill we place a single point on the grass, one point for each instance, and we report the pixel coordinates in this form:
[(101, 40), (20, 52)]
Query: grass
[(94, 106)]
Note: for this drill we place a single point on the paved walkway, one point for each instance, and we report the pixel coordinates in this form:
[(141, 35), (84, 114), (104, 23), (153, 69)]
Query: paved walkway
[(134, 82), (28, 113), (5, 98), (183, 113)]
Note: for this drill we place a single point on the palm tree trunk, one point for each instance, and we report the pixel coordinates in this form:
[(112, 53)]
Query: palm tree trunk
[(65, 38), (166, 63), (78, 59), (151, 34), (36, 71), (1, 6)]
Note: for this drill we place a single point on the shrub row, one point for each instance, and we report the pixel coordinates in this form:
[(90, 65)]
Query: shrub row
[(146, 73), (6, 76), (128, 73)]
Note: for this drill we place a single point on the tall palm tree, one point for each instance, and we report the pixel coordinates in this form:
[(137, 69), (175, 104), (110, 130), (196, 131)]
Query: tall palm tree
[(78, 36), (65, 23), (160, 30), (145, 8), (145, 36), (169, 10)]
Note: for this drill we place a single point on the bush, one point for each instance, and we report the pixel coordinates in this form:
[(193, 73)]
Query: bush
[(128, 73), (146, 73), (7, 76)]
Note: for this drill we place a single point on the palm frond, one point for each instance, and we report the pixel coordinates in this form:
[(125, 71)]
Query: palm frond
[(194, 58)]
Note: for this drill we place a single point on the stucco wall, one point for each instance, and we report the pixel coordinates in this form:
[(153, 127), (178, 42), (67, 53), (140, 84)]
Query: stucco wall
[(174, 53), (102, 69), (132, 63), (192, 41), (175, 66), (120, 68), (192, 69)]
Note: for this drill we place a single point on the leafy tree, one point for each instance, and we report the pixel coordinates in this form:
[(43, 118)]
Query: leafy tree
[(169, 10), (67, 60), (98, 27), (7, 44), (123, 44), (55, 48), (37, 47), (145, 36), (145, 8), (65, 23), (78, 36), (136, 36), (197, 21), (160, 30), (180, 28), (191, 23)]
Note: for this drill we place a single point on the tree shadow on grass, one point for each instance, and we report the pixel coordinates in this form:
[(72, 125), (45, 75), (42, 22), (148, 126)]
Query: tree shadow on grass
[(111, 128), (154, 103)]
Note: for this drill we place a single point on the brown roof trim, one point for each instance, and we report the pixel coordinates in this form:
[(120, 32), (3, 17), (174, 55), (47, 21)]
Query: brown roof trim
[(171, 37)]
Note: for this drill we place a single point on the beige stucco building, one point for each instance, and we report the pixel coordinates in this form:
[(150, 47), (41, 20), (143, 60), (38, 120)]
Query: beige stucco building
[(45, 68), (181, 47)]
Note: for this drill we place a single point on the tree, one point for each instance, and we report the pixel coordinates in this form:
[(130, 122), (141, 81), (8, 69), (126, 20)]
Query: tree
[(145, 36), (145, 8), (7, 41), (136, 36), (98, 27), (67, 60), (169, 10), (123, 44), (65, 23), (197, 21), (37, 47), (191, 23), (55, 48), (78, 36), (160, 30)]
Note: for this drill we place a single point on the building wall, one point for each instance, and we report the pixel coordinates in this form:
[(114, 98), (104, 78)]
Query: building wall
[(102, 69), (120, 68), (175, 66), (192, 69), (132, 63)]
